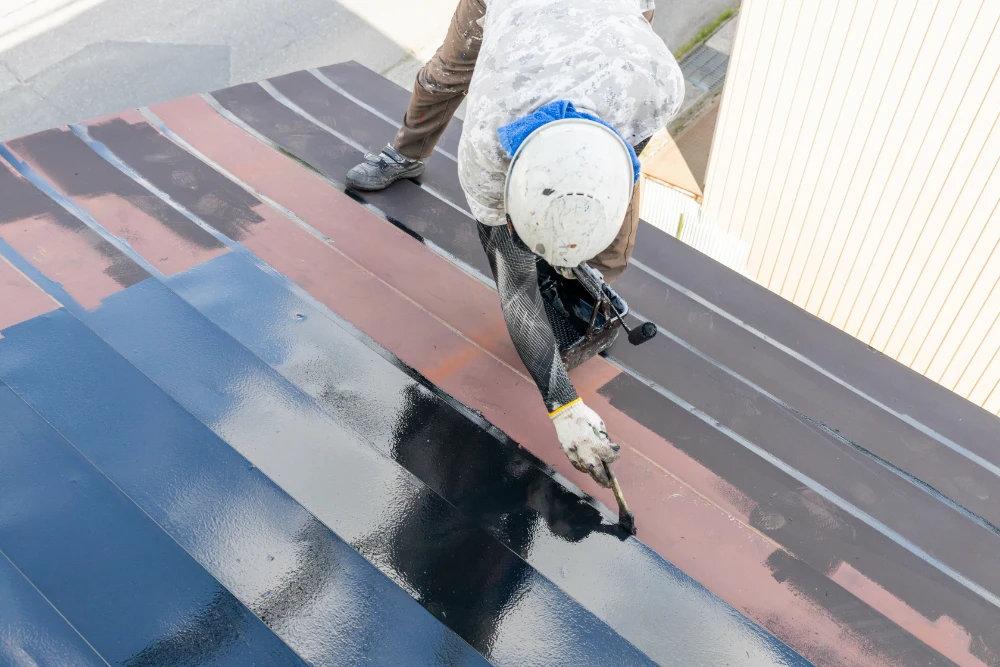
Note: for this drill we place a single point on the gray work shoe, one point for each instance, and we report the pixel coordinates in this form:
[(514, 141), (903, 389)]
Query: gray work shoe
[(382, 170)]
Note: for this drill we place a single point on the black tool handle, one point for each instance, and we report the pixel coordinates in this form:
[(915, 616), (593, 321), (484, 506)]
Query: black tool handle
[(641, 334)]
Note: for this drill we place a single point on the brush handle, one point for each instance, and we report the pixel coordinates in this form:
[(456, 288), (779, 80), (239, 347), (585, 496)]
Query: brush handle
[(625, 516)]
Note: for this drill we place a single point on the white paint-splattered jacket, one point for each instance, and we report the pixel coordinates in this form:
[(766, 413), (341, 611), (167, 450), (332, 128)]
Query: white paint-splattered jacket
[(601, 55)]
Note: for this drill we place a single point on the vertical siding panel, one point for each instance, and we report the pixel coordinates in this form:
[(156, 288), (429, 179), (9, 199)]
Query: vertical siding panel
[(941, 344), (972, 207), (863, 229), (829, 218), (732, 111), (961, 331), (743, 163), (972, 210), (772, 105), (855, 41), (729, 108), (888, 322), (790, 49), (968, 372), (916, 342), (792, 146), (857, 153), (992, 402), (930, 75), (940, 341), (985, 380)]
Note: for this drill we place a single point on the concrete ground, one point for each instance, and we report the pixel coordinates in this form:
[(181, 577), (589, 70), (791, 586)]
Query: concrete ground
[(67, 60)]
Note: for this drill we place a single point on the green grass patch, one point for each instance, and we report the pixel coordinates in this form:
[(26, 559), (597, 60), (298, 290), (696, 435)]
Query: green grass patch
[(704, 33)]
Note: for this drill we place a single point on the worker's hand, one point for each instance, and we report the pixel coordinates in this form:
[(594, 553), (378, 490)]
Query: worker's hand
[(585, 440)]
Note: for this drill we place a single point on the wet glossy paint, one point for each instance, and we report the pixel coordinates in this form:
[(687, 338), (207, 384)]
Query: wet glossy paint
[(257, 380), (688, 266), (128, 588), (497, 604), (646, 600), (696, 645), (330, 604), (32, 631), (700, 536), (324, 355), (232, 275), (190, 120)]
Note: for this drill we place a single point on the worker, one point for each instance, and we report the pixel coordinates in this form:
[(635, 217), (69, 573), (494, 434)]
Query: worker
[(562, 97)]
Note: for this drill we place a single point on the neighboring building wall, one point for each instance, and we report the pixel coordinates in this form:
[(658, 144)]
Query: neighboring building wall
[(679, 214), (856, 153)]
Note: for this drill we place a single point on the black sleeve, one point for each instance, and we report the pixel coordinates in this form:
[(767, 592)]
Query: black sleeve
[(516, 275)]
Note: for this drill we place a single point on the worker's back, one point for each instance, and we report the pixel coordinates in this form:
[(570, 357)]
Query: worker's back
[(601, 55)]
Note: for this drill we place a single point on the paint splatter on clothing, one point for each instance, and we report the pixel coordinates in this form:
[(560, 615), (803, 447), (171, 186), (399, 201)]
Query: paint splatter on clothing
[(601, 55)]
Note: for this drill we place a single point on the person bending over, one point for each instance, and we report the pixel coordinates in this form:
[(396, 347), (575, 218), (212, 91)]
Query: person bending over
[(562, 97)]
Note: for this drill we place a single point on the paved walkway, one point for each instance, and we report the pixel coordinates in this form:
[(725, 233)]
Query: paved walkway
[(68, 60)]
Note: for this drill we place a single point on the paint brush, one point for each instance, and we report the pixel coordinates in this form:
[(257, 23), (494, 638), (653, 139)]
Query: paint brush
[(626, 520)]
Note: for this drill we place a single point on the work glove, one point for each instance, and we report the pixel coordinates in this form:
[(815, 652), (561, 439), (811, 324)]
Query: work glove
[(585, 440)]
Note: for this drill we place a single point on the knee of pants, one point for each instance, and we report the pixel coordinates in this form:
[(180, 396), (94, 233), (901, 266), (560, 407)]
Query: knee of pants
[(439, 77)]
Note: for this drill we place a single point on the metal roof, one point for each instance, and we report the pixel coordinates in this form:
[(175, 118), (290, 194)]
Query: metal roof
[(247, 417)]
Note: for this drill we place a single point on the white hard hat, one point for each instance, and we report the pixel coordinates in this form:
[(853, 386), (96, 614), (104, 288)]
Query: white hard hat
[(568, 187)]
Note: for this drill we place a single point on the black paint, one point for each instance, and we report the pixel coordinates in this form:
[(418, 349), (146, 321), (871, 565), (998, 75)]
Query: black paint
[(425, 214), (21, 202), (385, 96), (354, 122), (459, 572), (499, 487), (888, 381), (71, 166), (893, 384), (32, 628), (314, 591), (817, 532), (940, 530), (186, 179), (814, 394), (109, 569)]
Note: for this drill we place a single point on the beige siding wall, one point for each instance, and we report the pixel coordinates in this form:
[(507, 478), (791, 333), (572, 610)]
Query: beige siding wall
[(856, 153)]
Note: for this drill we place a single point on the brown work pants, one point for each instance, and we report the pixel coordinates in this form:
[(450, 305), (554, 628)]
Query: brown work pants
[(441, 86)]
